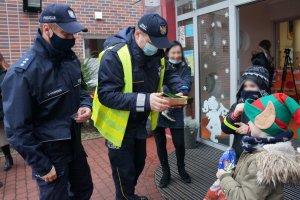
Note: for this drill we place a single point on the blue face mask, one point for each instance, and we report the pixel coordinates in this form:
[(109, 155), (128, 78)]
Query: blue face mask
[(174, 62), (149, 49)]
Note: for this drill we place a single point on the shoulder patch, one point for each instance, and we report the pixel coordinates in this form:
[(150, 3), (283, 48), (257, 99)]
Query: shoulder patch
[(25, 61)]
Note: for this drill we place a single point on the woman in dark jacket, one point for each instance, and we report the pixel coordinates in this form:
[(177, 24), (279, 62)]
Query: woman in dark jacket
[(173, 119), (262, 57), (5, 147), (254, 84)]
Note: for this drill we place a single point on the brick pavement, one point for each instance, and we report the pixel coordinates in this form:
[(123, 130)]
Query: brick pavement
[(19, 185)]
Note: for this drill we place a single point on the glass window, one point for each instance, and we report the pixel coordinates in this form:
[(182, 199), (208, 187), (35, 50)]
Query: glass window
[(214, 63), (287, 46), (203, 3), (186, 38), (184, 6), (93, 47), (34, 3)]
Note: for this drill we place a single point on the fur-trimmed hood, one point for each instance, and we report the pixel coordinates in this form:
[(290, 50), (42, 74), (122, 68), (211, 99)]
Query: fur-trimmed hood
[(278, 163)]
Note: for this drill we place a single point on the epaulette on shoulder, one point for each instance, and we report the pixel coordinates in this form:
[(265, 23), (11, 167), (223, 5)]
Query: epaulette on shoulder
[(24, 62)]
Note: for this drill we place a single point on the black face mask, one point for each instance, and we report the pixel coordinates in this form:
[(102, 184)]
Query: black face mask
[(250, 95), (60, 44)]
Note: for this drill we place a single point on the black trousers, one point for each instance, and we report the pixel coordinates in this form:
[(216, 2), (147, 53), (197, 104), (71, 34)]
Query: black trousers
[(161, 142), (75, 183), (127, 164)]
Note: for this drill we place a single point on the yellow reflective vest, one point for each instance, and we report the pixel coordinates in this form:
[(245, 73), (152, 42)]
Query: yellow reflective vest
[(112, 123)]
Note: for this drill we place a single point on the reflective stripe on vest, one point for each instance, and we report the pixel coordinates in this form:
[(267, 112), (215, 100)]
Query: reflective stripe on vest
[(112, 123)]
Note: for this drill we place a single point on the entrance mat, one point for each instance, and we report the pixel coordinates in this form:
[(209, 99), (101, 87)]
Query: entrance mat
[(201, 163)]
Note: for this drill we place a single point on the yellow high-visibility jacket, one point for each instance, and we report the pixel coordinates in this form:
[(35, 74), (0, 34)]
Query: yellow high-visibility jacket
[(112, 123)]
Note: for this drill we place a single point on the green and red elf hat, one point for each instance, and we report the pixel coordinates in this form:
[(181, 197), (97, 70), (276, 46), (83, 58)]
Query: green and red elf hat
[(272, 114)]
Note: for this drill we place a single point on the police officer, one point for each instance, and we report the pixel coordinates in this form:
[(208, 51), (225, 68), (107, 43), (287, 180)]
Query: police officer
[(41, 93), (132, 71)]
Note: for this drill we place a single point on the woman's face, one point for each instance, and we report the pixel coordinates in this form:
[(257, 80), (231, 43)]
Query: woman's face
[(250, 86), (175, 53)]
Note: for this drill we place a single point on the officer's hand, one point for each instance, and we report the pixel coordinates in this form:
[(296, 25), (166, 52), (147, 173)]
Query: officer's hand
[(83, 114), (51, 176), (158, 103)]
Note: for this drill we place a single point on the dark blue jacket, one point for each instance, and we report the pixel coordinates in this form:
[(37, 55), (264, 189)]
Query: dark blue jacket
[(184, 72), (145, 74), (40, 93)]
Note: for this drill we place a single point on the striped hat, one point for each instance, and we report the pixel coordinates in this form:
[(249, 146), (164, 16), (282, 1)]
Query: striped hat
[(272, 114), (258, 75)]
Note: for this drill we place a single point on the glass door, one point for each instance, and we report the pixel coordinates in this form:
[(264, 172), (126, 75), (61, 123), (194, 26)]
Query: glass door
[(186, 38), (214, 72)]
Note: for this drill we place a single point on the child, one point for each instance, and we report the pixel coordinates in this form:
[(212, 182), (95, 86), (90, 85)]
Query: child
[(268, 160), (254, 84)]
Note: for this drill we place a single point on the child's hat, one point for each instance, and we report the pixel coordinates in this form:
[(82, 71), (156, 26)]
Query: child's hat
[(258, 75), (272, 114)]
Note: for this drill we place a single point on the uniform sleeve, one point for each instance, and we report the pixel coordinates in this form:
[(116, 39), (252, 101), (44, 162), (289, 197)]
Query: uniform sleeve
[(18, 109), (111, 84), (228, 125), (85, 99), (173, 81), (248, 189)]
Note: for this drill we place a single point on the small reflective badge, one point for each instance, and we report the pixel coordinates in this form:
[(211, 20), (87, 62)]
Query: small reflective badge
[(71, 14), (49, 18), (55, 92), (143, 26), (159, 70), (163, 29)]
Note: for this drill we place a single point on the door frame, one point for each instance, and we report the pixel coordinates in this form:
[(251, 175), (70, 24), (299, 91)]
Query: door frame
[(232, 6)]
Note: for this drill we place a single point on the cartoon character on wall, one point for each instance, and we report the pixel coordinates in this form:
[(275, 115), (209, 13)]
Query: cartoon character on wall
[(214, 110)]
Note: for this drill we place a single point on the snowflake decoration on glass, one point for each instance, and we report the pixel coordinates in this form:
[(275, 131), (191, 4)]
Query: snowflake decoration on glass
[(222, 96), (213, 24), (205, 42), (219, 24), (216, 77), (204, 88), (224, 42), (202, 21), (226, 70), (214, 53), (205, 66), (226, 14)]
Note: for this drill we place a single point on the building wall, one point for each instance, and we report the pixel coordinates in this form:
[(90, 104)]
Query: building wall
[(18, 29)]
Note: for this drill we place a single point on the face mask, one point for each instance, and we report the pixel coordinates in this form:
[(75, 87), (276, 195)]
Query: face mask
[(250, 95), (60, 44), (174, 61), (149, 49)]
